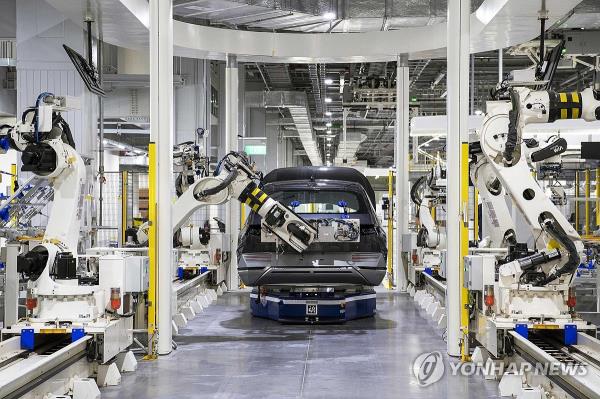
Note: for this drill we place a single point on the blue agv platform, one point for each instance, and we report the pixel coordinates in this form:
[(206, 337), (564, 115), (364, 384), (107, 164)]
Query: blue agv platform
[(313, 307)]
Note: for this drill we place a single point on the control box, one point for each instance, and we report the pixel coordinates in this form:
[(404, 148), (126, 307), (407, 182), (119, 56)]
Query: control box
[(480, 270), (443, 263), (126, 272), (409, 242)]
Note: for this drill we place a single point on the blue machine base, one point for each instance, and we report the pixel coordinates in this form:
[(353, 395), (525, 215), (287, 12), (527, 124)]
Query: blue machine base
[(313, 308)]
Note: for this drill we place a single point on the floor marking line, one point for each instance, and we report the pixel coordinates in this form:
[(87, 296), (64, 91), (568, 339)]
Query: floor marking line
[(305, 363)]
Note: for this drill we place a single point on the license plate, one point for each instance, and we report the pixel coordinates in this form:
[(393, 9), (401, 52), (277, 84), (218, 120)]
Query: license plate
[(311, 309)]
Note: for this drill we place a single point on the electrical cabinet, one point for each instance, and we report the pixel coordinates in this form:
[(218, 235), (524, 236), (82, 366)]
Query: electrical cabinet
[(480, 270)]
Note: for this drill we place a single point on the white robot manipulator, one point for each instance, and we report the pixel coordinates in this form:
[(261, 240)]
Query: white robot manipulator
[(538, 283), (47, 150), (236, 178)]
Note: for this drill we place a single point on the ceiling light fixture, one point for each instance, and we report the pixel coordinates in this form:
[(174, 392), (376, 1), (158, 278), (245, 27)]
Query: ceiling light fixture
[(328, 81), (328, 99), (328, 113), (328, 124), (329, 16)]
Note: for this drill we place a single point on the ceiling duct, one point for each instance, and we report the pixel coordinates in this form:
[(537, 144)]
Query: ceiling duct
[(353, 140), (297, 104), (315, 82), (278, 74)]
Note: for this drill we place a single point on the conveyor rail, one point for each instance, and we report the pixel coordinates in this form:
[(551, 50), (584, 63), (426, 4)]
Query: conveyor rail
[(24, 370), (541, 350), (438, 285)]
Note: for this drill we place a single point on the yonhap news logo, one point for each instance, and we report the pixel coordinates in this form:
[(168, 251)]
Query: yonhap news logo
[(429, 368)]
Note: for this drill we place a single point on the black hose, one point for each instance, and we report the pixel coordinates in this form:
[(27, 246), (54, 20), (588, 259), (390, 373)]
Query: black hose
[(114, 313), (513, 119), (542, 44), (218, 167), (219, 187), (414, 191), (574, 259), (25, 113), (64, 126)]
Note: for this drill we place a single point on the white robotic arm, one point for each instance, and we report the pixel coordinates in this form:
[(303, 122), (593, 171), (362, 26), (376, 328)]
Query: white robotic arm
[(559, 247), (501, 232), (235, 178), (426, 194), (47, 150)]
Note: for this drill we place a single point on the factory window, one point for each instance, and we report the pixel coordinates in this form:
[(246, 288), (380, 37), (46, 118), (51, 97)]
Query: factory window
[(320, 201)]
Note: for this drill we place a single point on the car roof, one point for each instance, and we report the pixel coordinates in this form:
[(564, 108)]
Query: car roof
[(320, 173)]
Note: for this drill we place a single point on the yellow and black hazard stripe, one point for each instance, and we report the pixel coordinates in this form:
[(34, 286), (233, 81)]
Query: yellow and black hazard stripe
[(253, 196), (564, 106)]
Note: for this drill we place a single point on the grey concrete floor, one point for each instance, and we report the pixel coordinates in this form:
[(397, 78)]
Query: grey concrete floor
[(226, 353)]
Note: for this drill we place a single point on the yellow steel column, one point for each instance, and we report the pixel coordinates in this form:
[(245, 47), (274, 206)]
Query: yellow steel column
[(242, 215), (577, 201), (123, 206), (586, 228), (13, 178), (598, 197), (152, 252), (464, 249), (13, 183), (390, 230)]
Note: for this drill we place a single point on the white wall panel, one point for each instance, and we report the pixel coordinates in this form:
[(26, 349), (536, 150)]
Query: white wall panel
[(42, 65)]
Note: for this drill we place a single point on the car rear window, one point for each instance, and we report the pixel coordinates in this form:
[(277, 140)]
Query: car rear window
[(321, 201)]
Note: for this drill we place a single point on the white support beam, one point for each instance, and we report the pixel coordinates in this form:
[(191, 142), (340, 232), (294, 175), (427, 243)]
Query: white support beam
[(231, 144), (11, 285), (500, 65), (161, 132), (402, 168), (458, 112)]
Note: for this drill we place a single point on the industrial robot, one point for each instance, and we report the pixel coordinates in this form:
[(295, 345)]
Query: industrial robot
[(428, 193), (62, 304), (236, 178), (47, 150), (532, 290)]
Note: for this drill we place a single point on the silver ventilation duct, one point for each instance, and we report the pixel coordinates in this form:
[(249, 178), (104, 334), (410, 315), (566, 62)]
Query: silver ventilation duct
[(353, 140), (297, 104)]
